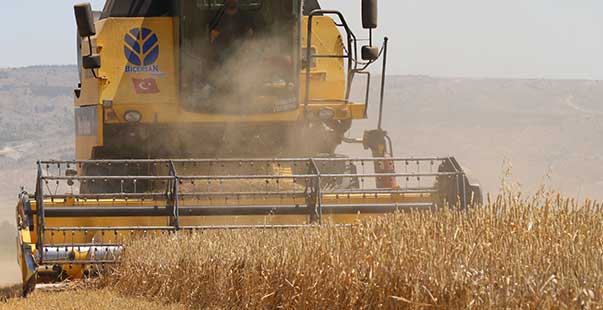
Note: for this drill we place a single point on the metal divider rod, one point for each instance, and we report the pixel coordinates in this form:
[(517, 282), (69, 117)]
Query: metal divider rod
[(318, 191), (40, 210), (106, 195), (300, 176), (170, 228), (107, 177), (461, 195), (463, 189), (175, 189), (111, 228), (458, 188), (374, 175), (308, 62), (245, 177)]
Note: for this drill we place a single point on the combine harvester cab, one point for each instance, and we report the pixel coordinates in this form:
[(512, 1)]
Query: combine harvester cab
[(149, 90)]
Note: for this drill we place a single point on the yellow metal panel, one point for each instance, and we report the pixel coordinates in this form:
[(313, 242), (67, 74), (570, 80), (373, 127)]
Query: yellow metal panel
[(24, 237), (326, 39), (119, 71), (288, 200), (357, 111), (84, 145), (90, 93), (330, 199)]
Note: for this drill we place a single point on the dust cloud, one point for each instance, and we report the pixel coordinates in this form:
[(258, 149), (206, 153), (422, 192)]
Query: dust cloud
[(9, 269)]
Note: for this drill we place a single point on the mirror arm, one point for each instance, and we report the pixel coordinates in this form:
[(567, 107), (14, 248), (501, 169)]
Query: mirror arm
[(89, 46), (94, 74), (385, 40), (90, 53)]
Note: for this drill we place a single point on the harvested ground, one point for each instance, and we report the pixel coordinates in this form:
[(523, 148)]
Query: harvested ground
[(10, 292), (540, 253), (82, 299)]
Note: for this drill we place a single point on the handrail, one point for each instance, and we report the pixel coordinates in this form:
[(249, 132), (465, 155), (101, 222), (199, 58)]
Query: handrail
[(40, 209), (352, 56), (351, 38), (241, 160)]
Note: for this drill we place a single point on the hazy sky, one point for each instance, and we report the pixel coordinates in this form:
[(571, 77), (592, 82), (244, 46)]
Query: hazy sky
[(476, 38)]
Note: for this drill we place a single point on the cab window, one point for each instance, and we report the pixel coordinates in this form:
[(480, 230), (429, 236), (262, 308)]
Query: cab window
[(239, 56)]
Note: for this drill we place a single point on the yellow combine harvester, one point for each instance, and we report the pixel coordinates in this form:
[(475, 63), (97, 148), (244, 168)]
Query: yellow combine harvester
[(256, 92)]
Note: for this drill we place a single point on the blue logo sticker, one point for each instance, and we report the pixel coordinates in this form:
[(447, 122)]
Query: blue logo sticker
[(141, 49)]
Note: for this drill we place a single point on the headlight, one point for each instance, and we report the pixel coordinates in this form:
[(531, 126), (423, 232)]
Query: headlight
[(326, 114), (132, 116)]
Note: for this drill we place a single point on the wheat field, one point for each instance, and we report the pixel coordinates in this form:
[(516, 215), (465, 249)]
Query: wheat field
[(536, 253), (83, 299), (543, 252)]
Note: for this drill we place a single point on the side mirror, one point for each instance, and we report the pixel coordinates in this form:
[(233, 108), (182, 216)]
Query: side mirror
[(370, 53), (91, 61), (369, 14), (84, 19)]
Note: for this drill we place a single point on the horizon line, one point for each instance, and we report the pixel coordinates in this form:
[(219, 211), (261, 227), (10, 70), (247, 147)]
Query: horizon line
[(450, 77)]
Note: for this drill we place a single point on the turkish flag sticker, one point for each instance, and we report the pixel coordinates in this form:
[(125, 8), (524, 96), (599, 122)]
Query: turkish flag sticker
[(145, 86)]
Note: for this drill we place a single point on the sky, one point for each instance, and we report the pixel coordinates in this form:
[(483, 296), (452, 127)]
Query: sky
[(559, 39)]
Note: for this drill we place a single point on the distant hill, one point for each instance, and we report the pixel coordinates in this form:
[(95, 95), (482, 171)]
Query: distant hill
[(550, 130), (36, 102), (36, 122)]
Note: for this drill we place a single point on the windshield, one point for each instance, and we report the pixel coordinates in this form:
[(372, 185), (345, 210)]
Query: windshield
[(240, 56), (137, 8)]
